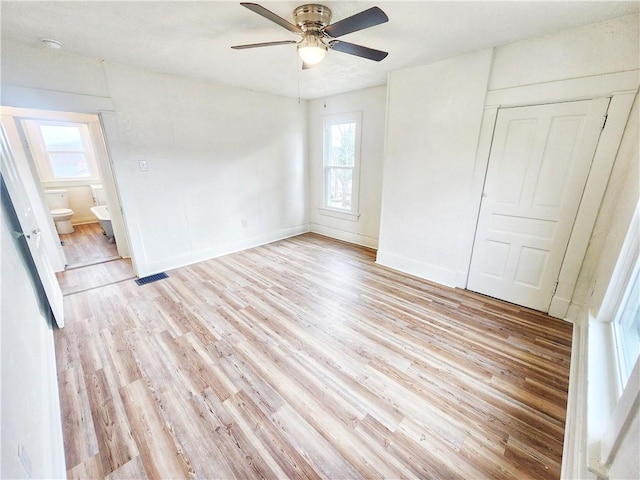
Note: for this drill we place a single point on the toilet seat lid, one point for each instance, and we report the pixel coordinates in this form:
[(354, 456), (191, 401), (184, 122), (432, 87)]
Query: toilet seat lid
[(61, 211)]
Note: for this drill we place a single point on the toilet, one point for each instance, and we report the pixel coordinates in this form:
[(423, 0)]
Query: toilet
[(60, 211)]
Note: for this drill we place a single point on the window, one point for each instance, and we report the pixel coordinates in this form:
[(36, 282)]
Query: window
[(341, 159), (62, 151), (626, 328)]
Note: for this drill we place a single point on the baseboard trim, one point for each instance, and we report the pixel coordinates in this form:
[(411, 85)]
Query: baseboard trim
[(349, 237), (429, 272), (575, 455), (219, 250)]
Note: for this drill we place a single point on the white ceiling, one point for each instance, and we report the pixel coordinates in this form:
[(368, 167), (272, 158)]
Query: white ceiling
[(192, 39)]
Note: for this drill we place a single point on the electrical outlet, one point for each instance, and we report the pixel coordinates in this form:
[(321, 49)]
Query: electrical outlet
[(244, 223), (144, 166), (24, 459)]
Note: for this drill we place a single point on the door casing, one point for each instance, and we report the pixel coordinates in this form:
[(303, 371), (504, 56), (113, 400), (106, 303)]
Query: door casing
[(622, 89), (525, 221)]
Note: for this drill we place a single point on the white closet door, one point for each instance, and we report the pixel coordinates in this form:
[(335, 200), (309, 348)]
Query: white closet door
[(538, 167)]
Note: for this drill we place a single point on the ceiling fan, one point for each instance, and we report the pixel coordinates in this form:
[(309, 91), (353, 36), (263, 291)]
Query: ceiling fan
[(312, 23)]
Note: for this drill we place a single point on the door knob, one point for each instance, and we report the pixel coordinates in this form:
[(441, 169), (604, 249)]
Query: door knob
[(35, 231)]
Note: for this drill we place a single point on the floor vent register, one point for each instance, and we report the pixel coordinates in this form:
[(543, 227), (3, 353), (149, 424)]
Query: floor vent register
[(151, 278)]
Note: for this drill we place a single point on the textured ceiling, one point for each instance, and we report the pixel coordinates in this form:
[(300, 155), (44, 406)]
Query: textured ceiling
[(193, 39)]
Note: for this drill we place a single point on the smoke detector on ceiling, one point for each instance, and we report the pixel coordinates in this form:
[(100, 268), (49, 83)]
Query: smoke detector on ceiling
[(51, 44)]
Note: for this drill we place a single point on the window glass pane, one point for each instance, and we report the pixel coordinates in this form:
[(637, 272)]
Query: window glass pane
[(61, 138), (339, 187), (69, 165), (342, 144), (628, 328)]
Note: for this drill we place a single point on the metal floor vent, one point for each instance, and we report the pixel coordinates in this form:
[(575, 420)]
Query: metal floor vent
[(151, 278)]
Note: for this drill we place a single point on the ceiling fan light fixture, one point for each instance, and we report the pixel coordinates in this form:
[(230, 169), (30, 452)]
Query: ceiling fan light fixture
[(311, 50), (313, 24)]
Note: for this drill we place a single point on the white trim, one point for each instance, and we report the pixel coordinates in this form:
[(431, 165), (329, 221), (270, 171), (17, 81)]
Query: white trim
[(349, 237), (582, 88), (34, 114), (574, 459), (329, 212), (574, 312), (23, 163), (622, 87), (33, 130), (617, 291), (433, 273), (605, 155), (31, 214), (338, 118), (39, 99), (477, 185), (100, 132), (177, 261), (623, 270), (23, 101), (559, 306), (621, 417)]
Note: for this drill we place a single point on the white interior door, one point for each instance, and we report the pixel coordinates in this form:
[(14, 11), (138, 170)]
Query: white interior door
[(26, 173), (538, 166), (30, 229)]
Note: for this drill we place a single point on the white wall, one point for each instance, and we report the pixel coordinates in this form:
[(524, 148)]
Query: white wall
[(372, 104), (430, 189), (433, 123), (80, 201), (30, 410), (605, 47), (227, 167)]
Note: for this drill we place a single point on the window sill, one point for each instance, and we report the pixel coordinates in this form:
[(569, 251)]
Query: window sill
[(352, 217), (70, 182)]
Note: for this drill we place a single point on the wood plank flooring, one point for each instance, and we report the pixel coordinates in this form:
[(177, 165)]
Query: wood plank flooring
[(79, 279), (92, 261), (305, 359), (87, 245)]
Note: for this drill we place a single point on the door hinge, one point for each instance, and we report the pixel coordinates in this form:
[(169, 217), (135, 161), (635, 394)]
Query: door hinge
[(555, 287), (604, 122)]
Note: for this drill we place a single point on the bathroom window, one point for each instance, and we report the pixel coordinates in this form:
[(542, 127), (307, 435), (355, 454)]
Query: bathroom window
[(341, 161), (62, 151)]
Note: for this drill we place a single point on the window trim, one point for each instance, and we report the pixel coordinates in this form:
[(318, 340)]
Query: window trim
[(352, 214), (624, 370), (607, 440), (39, 153)]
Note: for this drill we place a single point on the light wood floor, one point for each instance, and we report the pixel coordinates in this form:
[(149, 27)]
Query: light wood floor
[(304, 359), (92, 261), (87, 245)]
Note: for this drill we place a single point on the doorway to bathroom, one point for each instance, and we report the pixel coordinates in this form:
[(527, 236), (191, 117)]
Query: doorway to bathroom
[(74, 184)]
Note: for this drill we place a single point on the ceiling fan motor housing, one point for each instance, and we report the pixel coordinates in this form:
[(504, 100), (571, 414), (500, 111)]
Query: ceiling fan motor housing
[(312, 17)]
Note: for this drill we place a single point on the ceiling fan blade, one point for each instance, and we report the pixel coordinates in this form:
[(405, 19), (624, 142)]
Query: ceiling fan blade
[(365, 19), (358, 50), (263, 44), (268, 14)]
